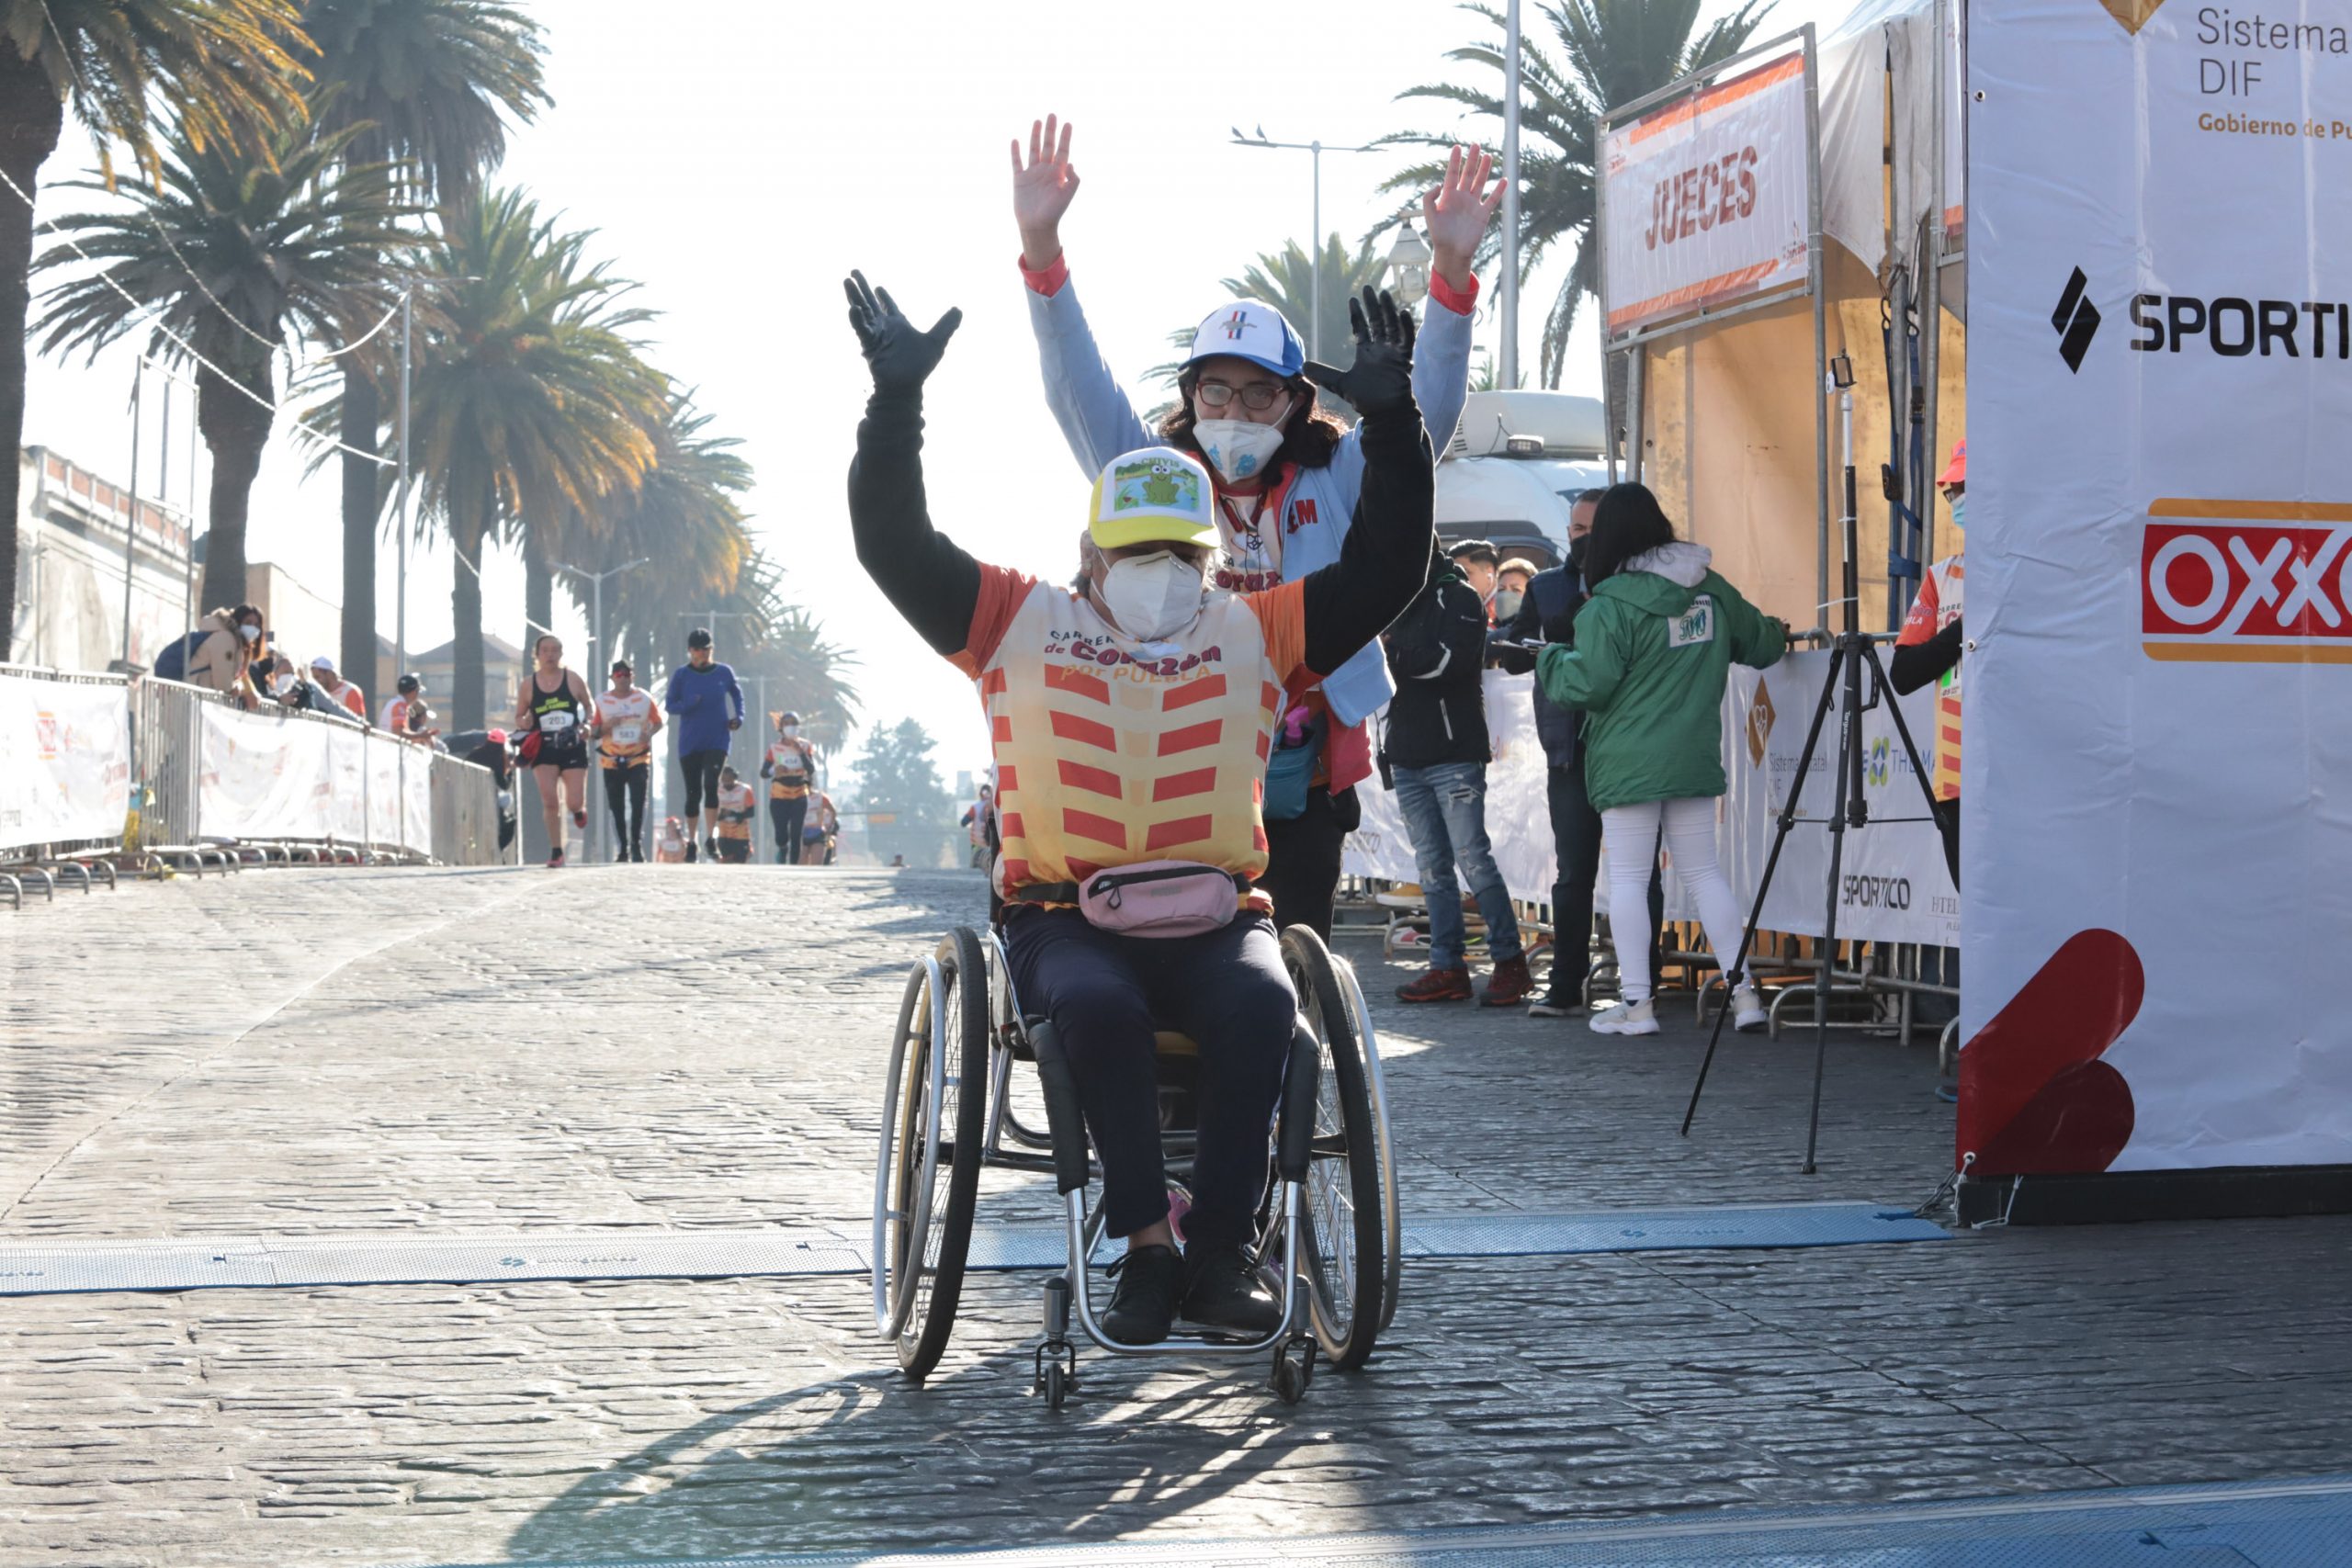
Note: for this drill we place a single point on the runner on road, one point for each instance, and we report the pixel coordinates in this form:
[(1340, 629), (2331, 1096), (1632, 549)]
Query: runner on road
[(708, 706), (626, 721), (733, 817), (790, 769), (553, 709)]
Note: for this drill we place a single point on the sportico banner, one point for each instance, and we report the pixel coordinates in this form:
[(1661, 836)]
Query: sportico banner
[(2159, 715), (1708, 198), (1893, 886), (68, 745)]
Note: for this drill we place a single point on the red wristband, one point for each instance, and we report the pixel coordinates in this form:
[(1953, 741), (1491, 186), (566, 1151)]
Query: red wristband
[(1047, 280), (1460, 302)]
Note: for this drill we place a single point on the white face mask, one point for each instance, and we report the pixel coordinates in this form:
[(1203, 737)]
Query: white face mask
[(1152, 596), (1960, 511), (1239, 448), (281, 685), (790, 732), (250, 633), (1507, 602)]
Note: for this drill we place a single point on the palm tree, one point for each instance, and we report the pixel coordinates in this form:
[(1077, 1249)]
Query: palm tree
[(805, 672), (1615, 51), (427, 85), (686, 522), (529, 400), (234, 257), (222, 65), (1285, 280)]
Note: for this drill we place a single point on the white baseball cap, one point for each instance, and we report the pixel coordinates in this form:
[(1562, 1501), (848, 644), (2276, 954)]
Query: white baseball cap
[(1250, 329)]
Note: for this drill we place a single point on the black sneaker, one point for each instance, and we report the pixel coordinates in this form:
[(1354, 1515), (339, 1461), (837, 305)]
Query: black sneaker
[(1151, 1278), (1224, 1289), (690, 851), (711, 846), (1555, 1004)]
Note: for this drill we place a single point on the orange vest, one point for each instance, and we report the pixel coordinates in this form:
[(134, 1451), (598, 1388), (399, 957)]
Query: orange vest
[(629, 716), (1110, 751), (790, 766), (735, 812)]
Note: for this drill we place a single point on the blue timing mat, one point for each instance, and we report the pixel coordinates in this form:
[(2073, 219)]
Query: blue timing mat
[(2286, 1524), (65, 1268)]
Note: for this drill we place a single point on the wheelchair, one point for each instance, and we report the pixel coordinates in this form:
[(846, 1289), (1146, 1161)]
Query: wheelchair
[(1327, 1228)]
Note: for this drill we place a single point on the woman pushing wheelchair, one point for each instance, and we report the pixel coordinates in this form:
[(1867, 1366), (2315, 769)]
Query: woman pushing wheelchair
[(1132, 713)]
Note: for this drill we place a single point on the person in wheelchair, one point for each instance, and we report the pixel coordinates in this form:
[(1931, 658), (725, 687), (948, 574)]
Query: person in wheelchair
[(1132, 712)]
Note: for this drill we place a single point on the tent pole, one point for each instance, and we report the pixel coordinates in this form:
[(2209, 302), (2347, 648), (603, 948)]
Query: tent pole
[(1636, 397), (1931, 304), (1820, 321)]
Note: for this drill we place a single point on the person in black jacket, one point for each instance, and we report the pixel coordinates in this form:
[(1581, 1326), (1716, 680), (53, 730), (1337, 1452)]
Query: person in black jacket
[(1435, 746), (1547, 613)]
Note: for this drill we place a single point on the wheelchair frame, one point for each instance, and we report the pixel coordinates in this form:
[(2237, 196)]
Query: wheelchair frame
[(1338, 1235)]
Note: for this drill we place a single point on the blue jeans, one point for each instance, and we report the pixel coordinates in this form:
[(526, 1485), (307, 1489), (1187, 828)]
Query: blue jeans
[(1445, 812)]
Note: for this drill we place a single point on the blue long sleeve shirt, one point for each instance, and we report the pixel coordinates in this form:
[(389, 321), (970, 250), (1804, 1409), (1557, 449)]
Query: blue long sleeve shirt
[(701, 703)]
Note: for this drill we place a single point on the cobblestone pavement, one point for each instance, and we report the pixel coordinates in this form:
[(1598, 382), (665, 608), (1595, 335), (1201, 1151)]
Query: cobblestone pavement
[(299, 1053)]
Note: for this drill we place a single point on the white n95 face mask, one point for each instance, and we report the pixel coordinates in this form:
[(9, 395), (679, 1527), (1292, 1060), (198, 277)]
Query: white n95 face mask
[(1152, 596), (1239, 448)]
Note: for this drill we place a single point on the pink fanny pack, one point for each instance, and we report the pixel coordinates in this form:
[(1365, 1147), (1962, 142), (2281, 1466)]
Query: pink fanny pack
[(1156, 897)]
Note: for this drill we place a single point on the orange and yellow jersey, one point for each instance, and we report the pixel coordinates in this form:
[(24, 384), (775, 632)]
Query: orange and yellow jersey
[(1112, 750), (629, 728), (791, 767), (1937, 607), (735, 811)]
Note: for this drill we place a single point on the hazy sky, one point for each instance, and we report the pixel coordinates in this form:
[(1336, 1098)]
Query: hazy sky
[(739, 156)]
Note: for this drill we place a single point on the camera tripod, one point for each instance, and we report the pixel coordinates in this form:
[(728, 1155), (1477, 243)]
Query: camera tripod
[(1853, 663)]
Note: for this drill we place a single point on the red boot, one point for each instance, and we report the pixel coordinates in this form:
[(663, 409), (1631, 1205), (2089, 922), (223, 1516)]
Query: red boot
[(1437, 985), (1509, 985)]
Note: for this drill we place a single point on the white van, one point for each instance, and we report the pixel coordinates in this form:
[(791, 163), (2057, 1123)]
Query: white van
[(1516, 464)]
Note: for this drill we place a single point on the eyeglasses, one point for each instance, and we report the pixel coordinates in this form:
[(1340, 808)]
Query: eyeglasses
[(1258, 395)]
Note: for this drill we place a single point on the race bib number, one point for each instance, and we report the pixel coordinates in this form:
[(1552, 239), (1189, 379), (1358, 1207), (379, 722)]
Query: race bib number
[(555, 722), (1695, 624), (627, 734)]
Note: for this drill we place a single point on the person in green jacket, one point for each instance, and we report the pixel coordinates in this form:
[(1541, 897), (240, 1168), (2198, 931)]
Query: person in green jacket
[(1654, 646)]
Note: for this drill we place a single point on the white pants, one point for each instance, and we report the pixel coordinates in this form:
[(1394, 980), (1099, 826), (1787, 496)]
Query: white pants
[(1629, 833)]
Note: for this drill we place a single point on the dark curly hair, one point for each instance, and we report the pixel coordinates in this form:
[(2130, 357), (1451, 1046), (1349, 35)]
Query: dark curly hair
[(1310, 435)]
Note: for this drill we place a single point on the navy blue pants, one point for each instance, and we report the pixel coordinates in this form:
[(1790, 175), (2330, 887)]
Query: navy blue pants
[(1105, 994)]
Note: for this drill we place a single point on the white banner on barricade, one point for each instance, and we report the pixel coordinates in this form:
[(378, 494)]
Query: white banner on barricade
[(64, 760), (1894, 884), (417, 798), (1709, 197), (265, 775), (384, 809), (2159, 691), (346, 816)]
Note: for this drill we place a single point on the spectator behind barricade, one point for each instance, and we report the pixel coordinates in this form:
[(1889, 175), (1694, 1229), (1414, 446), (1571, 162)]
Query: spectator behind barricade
[(1511, 586), (1478, 562), (1547, 615), (343, 694), (1930, 647), (1653, 649), (219, 656), (419, 722), (1434, 748), (409, 692)]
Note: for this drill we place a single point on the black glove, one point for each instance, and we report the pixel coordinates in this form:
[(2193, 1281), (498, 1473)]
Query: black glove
[(1949, 642), (900, 357), (1381, 380)]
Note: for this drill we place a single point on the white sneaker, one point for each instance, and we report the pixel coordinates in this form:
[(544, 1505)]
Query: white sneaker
[(1625, 1018), (1746, 1008)]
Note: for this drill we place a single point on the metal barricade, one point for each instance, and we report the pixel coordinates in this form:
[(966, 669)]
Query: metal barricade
[(465, 813), (38, 851)]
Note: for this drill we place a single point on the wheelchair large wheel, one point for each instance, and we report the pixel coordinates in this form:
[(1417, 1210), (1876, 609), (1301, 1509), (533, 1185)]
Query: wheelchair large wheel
[(927, 1179), (1347, 1242)]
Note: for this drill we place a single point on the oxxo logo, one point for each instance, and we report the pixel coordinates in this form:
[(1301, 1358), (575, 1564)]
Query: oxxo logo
[(2246, 582)]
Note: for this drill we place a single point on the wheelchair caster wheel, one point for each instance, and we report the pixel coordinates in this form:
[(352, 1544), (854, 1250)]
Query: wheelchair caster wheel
[(1294, 1370), (1055, 1384)]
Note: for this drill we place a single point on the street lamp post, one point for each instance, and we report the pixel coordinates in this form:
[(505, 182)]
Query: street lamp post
[(1507, 287), (1315, 254), (399, 590), (131, 529), (1409, 265), (596, 646)]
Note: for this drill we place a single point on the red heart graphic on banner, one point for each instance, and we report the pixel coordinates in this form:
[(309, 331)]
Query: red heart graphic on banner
[(2034, 1097)]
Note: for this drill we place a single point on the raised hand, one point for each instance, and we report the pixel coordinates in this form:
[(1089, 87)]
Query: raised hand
[(1381, 380), (900, 357), (1042, 191), (1457, 212)]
